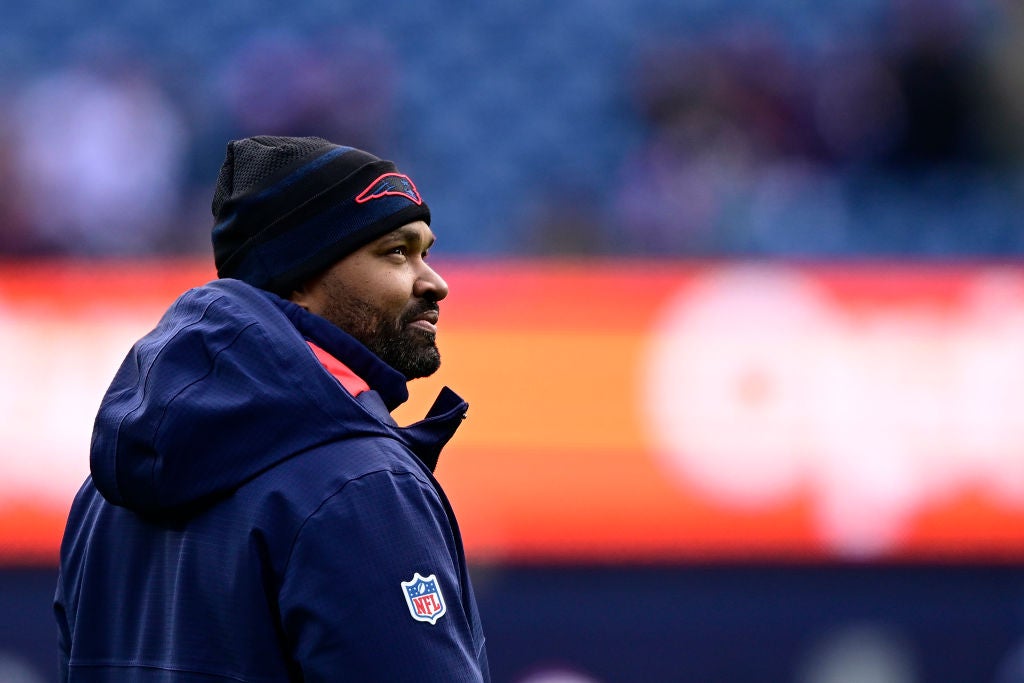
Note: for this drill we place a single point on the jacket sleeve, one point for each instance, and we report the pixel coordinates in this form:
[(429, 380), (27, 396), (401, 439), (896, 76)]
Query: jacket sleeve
[(344, 609), (63, 635)]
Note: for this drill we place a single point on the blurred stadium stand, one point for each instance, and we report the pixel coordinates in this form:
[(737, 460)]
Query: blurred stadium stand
[(657, 128)]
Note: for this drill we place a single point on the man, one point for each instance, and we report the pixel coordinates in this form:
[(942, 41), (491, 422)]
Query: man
[(253, 513)]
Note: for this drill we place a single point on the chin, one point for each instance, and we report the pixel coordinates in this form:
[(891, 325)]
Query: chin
[(424, 370)]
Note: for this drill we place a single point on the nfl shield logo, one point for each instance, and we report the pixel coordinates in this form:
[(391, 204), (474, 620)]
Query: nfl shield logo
[(423, 595)]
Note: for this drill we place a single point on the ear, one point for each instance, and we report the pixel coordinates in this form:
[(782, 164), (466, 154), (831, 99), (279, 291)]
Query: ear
[(309, 294), (302, 296)]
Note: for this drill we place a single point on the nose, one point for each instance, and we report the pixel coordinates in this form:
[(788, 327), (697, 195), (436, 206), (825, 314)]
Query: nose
[(430, 285)]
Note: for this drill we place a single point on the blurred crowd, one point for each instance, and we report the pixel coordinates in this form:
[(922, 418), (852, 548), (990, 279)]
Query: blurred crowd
[(714, 128)]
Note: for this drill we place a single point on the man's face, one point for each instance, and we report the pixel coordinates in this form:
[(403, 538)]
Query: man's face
[(385, 295)]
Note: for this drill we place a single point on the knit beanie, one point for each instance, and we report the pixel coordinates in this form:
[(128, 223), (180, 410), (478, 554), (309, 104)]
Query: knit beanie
[(286, 209)]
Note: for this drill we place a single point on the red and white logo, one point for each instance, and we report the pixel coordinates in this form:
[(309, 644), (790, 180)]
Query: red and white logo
[(390, 184), (423, 596)]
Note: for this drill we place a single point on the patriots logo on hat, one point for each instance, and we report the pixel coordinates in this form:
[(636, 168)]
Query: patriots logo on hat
[(390, 184), (423, 596)]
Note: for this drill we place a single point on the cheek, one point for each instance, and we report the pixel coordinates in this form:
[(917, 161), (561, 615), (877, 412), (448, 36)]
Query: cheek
[(391, 293), (395, 306), (388, 298), (386, 292)]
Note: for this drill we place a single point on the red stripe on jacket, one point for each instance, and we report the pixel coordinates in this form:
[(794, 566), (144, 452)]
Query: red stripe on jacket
[(352, 382)]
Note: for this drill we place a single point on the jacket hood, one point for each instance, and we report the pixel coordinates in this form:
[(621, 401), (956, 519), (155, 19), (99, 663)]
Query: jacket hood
[(226, 387)]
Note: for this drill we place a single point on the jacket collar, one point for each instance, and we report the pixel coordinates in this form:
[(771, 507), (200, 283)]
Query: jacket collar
[(425, 438), (382, 378), (429, 436)]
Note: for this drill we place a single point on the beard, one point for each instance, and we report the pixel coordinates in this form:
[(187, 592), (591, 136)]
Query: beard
[(409, 350)]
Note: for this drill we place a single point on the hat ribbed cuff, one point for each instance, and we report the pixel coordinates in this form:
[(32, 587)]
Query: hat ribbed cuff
[(284, 261)]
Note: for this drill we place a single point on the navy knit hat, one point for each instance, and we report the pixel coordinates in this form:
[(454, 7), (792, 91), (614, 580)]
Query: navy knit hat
[(285, 209)]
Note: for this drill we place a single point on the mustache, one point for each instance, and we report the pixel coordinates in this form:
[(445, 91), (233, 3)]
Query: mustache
[(418, 309)]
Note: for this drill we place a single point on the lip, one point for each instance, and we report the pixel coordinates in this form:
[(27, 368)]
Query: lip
[(425, 321)]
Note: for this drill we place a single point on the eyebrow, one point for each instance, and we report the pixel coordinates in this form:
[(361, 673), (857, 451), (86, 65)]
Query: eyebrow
[(407, 234)]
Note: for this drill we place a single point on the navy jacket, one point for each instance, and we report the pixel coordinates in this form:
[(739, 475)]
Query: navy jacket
[(248, 519)]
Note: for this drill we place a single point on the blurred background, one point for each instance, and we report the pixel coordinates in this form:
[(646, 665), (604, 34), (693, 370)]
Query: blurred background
[(737, 302)]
